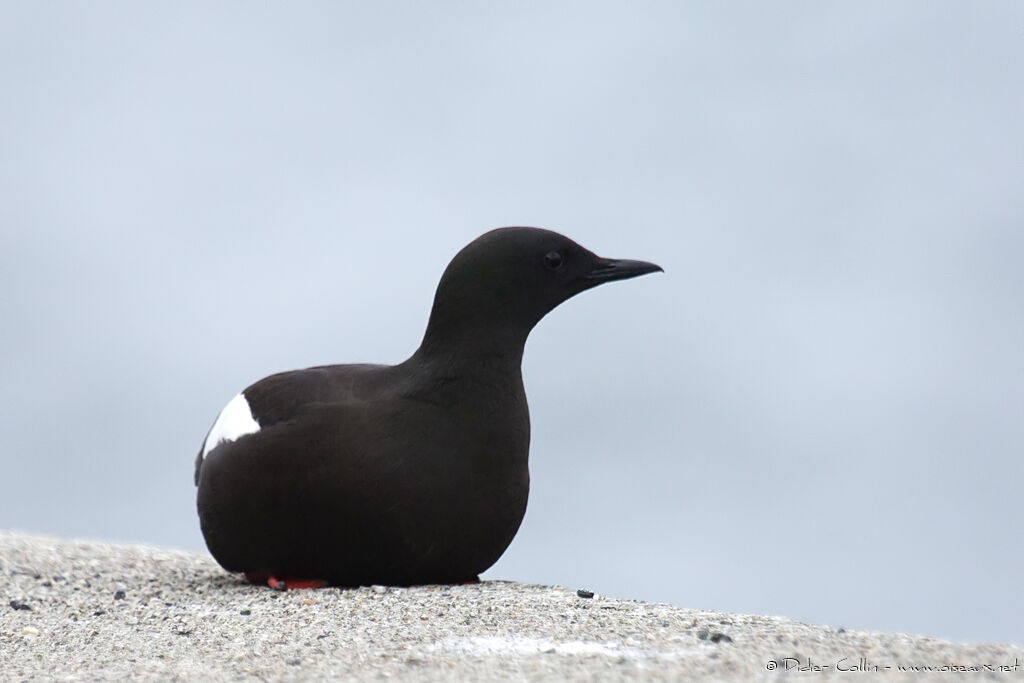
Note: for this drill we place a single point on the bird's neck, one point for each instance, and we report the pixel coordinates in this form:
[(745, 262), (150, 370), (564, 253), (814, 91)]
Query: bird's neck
[(493, 353)]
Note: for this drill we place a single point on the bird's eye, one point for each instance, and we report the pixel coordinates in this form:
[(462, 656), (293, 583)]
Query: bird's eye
[(554, 260)]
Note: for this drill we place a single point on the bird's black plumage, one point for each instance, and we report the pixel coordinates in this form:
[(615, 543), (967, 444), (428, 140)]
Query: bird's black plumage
[(406, 474)]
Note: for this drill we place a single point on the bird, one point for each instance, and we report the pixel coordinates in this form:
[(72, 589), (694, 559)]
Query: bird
[(407, 474)]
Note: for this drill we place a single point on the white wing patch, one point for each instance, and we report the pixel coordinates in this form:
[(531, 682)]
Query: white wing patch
[(234, 422)]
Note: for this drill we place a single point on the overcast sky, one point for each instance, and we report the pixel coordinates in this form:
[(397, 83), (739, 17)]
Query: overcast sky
[(816, 412)]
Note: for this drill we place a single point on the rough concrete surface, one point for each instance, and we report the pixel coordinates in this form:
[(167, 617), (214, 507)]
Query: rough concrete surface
[(95, 611)]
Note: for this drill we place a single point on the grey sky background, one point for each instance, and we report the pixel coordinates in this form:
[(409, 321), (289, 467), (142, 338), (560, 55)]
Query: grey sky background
[(817, 412)]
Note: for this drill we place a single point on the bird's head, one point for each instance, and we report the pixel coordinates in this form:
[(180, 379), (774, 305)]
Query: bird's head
[(502, 283)]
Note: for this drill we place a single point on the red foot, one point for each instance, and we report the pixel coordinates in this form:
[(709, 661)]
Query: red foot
[(284, 584), (292, 584)]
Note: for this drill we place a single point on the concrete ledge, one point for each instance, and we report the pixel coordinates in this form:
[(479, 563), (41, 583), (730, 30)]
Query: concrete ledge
[(85, 611)]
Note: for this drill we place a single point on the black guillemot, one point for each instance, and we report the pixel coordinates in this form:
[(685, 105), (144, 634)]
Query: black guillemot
[(403, 474)]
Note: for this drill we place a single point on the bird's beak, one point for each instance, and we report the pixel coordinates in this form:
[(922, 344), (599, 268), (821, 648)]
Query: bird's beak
[(607, 270)]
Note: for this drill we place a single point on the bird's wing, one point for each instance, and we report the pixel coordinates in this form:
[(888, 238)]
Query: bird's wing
[(280, 398)]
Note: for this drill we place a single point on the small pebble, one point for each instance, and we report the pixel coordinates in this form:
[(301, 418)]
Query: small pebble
[(585, 593), (30, 631), (294, 661), (716, 637), (380, 589), (119, 595), (18, 604), (245, 612)]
